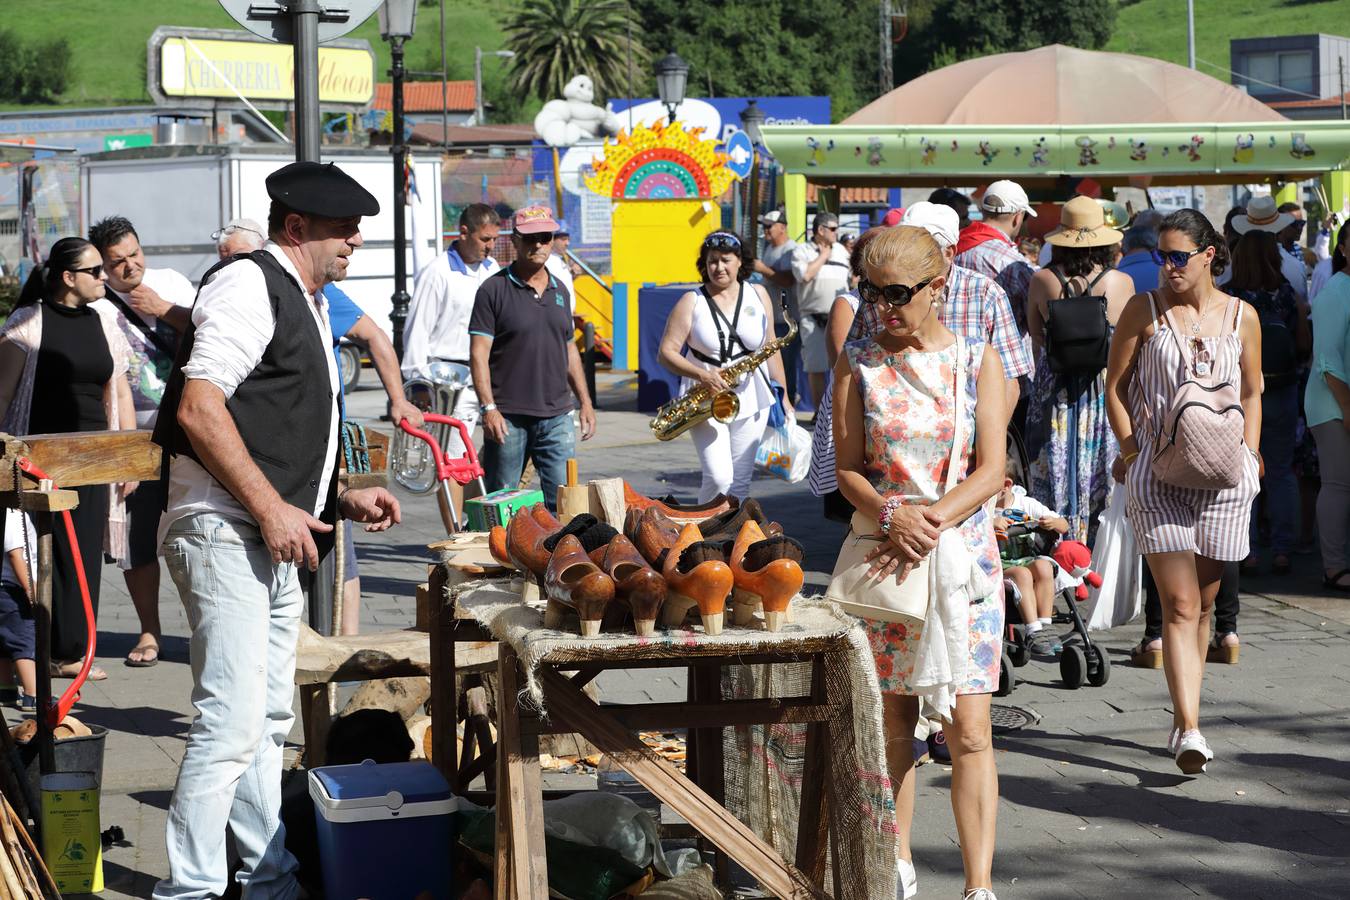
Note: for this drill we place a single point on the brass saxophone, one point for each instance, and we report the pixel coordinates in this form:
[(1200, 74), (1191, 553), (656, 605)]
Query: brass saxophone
[(700, 402)]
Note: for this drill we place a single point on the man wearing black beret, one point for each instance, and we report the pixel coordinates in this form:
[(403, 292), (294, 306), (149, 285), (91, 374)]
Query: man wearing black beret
[(249, 427)]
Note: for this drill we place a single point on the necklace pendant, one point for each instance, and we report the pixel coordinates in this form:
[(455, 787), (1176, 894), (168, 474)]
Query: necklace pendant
[(1202, 368)]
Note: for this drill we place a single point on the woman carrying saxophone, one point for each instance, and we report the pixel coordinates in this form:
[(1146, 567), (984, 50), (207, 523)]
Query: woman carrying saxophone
[(722, 323)]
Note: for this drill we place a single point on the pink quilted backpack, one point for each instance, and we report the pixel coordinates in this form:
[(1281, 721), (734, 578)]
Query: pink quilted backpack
[(1199, 440)]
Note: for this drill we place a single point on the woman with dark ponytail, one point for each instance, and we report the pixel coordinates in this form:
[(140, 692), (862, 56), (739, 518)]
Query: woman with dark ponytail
[(63, 364)]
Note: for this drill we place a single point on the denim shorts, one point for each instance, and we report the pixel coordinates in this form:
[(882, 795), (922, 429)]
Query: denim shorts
[(17, 635)]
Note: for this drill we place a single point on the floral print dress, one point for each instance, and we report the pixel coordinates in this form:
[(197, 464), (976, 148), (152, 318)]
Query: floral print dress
[(909, 426)]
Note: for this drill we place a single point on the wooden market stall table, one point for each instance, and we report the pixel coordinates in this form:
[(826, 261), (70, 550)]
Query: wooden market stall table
[(542, 673)]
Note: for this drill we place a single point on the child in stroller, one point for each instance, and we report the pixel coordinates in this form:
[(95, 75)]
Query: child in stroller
[(1027, 531)]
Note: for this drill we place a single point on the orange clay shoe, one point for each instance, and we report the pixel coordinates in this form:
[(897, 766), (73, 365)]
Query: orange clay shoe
[(696, 575), (767, 573), (637, 586), (678, 511), (573, 581), (497, 546), (525, 543), (652, 532)]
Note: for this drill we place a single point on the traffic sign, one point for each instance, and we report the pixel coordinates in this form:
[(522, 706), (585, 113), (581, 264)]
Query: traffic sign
[(740, 154), (272, 21)]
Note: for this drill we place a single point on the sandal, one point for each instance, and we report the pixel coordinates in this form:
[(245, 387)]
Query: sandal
[(149, 656), (1144, 656), (71, 669), (1334, 583), (1221, 652)]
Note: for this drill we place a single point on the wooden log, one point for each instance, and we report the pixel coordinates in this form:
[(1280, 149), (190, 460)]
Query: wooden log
[(91, 457), (358, 480), (317, 721), (381, 654), (48, 881), (518, 768), (16, 854), (50, 501)]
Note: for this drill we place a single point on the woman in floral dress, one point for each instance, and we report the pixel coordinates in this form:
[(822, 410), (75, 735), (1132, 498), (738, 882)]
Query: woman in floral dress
[(894, 425)]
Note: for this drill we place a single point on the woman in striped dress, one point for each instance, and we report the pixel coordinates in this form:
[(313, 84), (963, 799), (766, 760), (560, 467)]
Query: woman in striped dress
[(1186, 534)]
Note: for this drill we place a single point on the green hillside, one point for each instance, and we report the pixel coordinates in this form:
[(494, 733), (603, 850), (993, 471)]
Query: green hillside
[(1158, 27), (108, 39)]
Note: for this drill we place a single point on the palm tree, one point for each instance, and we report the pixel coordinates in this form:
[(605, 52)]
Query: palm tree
[(555, 40)]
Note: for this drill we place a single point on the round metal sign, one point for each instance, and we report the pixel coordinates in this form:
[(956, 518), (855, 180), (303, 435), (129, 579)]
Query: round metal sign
[(272, 20), (740, 153)]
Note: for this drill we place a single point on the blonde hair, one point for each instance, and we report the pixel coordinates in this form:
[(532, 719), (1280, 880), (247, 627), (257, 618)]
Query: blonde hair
[(907, 248)]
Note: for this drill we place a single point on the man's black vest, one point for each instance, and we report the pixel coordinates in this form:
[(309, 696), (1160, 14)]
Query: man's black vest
[(284, 408)]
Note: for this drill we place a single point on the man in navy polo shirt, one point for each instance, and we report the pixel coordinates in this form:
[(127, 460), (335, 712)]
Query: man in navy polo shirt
[(525, 364)]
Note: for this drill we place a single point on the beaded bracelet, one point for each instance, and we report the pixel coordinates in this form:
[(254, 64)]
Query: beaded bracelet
[(887, 510)]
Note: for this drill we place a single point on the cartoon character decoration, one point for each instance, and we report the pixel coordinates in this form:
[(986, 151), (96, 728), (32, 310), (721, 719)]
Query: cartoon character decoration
[(1087, 153), (929, 155), (817, 151), (660, 162), (1298, 147), (1111, 142), (1075, 568), (575, 118), (1244, 148), (986, 153), (874, 157), (1192, 150), (1138, 150), (1040, 153)]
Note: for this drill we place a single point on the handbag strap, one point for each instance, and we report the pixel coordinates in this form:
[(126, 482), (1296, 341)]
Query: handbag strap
[(1176, 335), (959, 408)]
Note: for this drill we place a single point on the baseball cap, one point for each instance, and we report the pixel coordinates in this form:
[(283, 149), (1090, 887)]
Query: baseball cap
[(823, 219), (893, 217), (772, 217), (940, 220), (1003, 197), (533, 220), (562, 230)]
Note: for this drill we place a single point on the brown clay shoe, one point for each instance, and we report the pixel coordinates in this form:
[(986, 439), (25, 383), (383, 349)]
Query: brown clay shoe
[(683, 513), (573, 581), (637, 586)]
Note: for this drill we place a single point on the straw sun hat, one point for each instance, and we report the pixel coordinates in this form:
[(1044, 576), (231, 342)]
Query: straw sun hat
[(1262, 215), (1082, 223)]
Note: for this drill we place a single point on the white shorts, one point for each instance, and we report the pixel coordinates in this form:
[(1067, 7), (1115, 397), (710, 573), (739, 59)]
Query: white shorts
[(814, 358)]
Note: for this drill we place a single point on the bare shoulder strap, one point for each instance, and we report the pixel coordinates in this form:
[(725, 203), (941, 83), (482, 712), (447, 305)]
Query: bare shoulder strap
[(1237, 315), (959, 414)]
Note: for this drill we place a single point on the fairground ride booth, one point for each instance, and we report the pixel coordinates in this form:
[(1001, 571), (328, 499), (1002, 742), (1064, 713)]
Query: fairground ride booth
[(1048, 117)]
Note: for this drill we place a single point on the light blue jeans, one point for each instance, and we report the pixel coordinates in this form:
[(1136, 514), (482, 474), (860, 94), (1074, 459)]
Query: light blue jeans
[(244, 612), (550, 442)]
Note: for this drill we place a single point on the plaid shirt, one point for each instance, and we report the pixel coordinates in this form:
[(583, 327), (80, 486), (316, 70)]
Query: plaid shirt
[(1001, 261), (977, 309)]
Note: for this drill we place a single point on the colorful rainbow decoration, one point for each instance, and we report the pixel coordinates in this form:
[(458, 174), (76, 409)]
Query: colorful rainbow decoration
[(660, 162)]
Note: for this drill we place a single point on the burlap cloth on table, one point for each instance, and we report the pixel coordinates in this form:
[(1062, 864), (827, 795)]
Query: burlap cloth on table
[(764, 764)]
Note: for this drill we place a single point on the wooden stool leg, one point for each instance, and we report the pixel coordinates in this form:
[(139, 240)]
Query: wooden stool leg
[(519, 778), (315, 720)]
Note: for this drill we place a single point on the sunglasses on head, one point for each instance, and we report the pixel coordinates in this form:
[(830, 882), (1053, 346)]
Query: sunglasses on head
[(722, 240), (92, 271), (1178, 259), (893, 294)]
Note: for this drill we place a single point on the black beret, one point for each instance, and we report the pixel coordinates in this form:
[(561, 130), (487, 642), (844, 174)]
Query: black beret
[(320, 189)]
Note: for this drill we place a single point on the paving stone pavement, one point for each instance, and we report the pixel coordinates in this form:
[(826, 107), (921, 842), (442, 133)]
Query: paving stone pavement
[(1090, 805)]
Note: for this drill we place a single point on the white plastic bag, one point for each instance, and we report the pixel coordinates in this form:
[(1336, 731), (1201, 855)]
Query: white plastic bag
[(785, 452), (1116, 558)]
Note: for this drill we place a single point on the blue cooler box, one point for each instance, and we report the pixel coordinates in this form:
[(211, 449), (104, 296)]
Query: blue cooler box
[(385, 830)]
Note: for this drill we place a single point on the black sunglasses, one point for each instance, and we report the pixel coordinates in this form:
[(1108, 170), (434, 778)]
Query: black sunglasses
[(721, 240), (538, 237), (1177, 258), (92, 271), (893, 294)]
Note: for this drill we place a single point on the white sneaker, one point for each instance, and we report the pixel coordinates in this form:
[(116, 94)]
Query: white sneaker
[(1173, 738), (907, 880), (1193, 752), (979, 894)]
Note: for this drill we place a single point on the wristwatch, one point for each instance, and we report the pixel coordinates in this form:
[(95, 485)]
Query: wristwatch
[(489, 407)]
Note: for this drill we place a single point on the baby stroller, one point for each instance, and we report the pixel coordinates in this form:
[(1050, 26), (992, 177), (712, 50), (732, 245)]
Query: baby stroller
[(1081, 661)]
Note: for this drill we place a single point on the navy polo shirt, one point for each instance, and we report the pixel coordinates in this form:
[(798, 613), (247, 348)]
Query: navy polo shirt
[(530, 334)]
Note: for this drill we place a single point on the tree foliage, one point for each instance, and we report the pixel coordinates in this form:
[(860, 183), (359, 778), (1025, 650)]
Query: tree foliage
[(952, 30), (555, 40), (769, 47), (35, 72)]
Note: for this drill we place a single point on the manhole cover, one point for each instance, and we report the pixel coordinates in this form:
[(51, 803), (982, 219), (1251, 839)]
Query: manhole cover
[(1010, 718)]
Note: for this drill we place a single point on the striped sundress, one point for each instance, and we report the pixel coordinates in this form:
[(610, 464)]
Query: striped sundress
[(1167, 518)]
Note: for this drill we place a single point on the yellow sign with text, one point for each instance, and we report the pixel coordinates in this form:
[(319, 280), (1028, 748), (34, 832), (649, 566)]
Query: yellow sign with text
[(198, 67)]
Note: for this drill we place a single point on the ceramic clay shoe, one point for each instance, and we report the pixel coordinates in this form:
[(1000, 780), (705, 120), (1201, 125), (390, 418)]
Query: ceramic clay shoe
[(637, 586), (573, 581), (767, 573), (697, 574)]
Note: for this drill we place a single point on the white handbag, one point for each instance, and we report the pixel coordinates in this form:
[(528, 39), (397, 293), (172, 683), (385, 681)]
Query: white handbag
[(888, 599)]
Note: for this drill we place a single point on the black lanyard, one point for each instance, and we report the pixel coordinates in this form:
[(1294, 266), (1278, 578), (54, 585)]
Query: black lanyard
[(725, 344)]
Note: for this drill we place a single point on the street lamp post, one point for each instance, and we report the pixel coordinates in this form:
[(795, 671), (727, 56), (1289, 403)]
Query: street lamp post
[(752, 117), (397, 21), (478, 114), (672, 74)]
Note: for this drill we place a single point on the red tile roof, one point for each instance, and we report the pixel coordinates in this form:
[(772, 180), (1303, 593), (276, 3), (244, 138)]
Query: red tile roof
[(425, 96), (1323, 103)]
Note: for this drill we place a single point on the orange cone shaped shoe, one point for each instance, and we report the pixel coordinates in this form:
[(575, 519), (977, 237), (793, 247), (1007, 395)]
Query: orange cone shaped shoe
[(768, 574), (696, 574)]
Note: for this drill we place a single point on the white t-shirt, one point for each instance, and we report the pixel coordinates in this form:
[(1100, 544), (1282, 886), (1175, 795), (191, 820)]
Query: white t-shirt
[(817, 295), (14, 540), (438, 317), (145, 379), (1030, 506), (235, 323), (561, 270)]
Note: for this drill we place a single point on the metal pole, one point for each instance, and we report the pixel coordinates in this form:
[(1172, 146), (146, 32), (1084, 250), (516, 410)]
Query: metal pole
[(305, 22), (445, 103), (42, 631), (588, 360), (400, 299), (1190, 32), (887, 75), (1340, 64), (478, 85)]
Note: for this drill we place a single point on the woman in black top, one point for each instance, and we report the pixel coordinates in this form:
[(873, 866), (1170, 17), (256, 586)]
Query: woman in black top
[(61, 370)]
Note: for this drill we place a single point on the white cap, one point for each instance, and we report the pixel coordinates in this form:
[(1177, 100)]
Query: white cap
[(1004, 197), (772, 217), (941, 221)]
